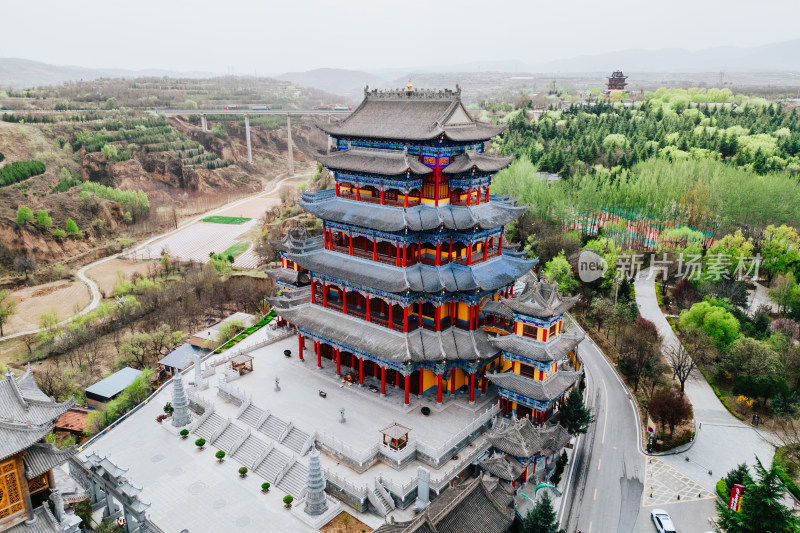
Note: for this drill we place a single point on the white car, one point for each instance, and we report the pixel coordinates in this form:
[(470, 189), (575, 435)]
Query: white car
[(662, 521)]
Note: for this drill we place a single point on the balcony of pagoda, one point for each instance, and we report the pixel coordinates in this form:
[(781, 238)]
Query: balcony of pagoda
[(468, 197), (369, 308), (378, 250), (374, 195)]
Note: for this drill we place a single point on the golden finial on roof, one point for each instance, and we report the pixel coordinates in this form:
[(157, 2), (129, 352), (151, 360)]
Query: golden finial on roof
[(409, 84)]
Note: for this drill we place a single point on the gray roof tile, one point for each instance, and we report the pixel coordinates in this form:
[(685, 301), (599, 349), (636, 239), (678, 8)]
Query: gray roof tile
[(387, 163), (480, 161), (522, 439), (43, 457), (541, 391), (539, 299)]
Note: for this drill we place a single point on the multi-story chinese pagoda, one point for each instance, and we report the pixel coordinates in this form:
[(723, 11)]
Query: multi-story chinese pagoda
[(412, 246), (29, 498), (616, 82)]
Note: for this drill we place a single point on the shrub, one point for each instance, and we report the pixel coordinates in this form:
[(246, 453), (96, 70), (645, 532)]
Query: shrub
[(242, 471), (59, 234), (220, 455), (184, 433), (24, 215), (219, 130), (43, 220), (72, 227), (161, 418), (722, 489), (288, 499), (561, 462), (200, 443), (19, 171), (264, 487), (168, 409)]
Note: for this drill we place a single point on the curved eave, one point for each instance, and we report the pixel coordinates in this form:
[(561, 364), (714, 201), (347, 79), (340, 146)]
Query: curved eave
[(484, 163), (542, 391), (390, 164), (488, 275)]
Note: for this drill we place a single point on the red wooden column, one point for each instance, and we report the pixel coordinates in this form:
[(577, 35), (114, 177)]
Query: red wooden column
[(478, 196), (408, 380), (351, 243), (360, 370), (487, 193), (366, 302), (452, 310), (469, 317), (485, 248), (397, 259), (438, 317), (337, 188), (383, 201), (451, 251), (391, 325), (318, 350), (469, 254), (438, 253), (469, 197), (338, 363), (500, 245), (324, 294), (358, 192), (453, 381), (419, 314), (313, 290), (405, 200), (405, 319), (405, 262), (300, 343), (383, 381), (374, 250), (472, 387), (439, 387)]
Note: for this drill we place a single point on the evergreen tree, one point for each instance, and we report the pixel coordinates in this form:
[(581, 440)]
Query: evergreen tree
[(24, 215), (72, 227), (43, 220), (575, 416), (542, 518), (761, 507)]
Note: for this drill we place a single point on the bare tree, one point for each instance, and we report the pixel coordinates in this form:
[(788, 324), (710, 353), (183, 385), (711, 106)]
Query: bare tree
[(681, 363), (25, 264)]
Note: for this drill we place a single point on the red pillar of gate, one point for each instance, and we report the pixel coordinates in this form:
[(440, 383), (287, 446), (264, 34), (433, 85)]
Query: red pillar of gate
[(338, 363), (405, 319), (469, 197), (358, 192), (472, 387), (419, 314), (383, 381), (397, 259), (439, 386), (478, 196), (469, 254), (300, 345), (451, 251), (337, 188), (360, 370), (407, 384), (318, 350)]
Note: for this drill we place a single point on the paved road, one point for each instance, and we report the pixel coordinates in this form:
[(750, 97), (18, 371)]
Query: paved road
[(95, 291), (171, 112)]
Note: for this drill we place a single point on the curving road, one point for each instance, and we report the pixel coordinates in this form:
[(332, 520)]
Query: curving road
[(95, 291)]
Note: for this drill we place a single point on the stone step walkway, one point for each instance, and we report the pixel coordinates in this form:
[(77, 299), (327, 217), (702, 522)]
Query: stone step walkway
[(272, 465), (250, 450), (294, 481), (295, 440), (207, 428), (228, 438)]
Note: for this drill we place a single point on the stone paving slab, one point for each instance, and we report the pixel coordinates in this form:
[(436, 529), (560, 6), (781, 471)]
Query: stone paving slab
[(665, 484)]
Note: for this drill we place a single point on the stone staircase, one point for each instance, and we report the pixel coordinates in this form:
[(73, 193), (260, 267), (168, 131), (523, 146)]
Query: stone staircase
[(249, 451), (229, 437), (251, 415), (294, 481), (380, 499), (272, 465), (273, 427), (295, 440), (207, 428)]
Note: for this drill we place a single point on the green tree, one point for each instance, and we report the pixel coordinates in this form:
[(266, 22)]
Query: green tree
[(716, 322), (761, 507), (24, 215), (558, 270), (542, 518), (43, 220), (72, 227), (190, 104), (780, 249), (110, 152), (575, 416), (8, 307), (219, 130)]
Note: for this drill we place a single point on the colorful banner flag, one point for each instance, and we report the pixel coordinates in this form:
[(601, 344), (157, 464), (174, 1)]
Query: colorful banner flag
[(651, 427), (735, 501)]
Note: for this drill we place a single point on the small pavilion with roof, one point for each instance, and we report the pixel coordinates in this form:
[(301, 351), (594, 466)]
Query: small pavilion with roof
[(395, 436)]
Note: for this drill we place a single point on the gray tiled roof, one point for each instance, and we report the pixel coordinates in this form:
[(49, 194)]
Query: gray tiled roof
[(391, 345), (297, 239), (44, 522), (43, 457), (22, 401), (488, 215), (411, 115), (387, 163), (15, 436), (285, 275), (542, 391), (522, 439), (552, 350), (480, 161), (503, 466), (468, 507), (539, 299), (486, 275)]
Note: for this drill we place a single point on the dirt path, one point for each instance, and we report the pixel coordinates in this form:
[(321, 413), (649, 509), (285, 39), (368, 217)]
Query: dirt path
[(60, 297), (29, 317)]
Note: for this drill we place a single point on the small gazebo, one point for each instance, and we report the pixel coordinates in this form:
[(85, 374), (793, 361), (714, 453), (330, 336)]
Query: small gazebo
[(242, 363), (395, 436)]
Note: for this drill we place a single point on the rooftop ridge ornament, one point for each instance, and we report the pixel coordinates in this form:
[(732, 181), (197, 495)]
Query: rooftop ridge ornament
[(410, 93)]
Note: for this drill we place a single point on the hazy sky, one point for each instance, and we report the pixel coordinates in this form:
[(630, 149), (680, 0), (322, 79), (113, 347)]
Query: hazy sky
[(272, 37)]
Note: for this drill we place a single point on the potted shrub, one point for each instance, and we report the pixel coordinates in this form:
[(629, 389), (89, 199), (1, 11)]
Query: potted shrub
[(161, 418), (200, 443), (220, 456), (184, 433), (243, 471), (287, 501), (168, 409), (265, 487)]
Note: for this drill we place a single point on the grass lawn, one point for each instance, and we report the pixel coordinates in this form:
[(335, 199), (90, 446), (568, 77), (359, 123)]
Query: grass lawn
[(237, 249), (225, 220)]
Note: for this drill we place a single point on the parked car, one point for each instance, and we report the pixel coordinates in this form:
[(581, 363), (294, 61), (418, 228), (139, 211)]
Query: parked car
[(662, 521)]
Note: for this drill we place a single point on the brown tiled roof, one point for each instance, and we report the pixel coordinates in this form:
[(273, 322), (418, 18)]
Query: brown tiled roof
[(73, 420), (414, 115), (469, 507)]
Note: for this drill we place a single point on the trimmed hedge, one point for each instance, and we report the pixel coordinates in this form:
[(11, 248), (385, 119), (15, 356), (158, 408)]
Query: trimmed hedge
[(246, 333), (722, 489)]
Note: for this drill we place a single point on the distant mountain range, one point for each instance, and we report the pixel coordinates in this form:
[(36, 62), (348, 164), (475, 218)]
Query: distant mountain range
[(777, 57), (22, 73)]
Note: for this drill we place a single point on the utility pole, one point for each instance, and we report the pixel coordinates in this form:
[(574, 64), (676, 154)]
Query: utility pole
[(247, 135)]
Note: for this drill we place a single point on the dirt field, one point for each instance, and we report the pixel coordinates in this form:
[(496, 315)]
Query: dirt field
[(65, 297), (106, 274), (256, 207), (337, 525)]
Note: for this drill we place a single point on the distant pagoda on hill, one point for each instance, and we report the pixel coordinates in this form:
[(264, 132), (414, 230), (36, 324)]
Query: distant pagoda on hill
[(616, 82), (412, 246)]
